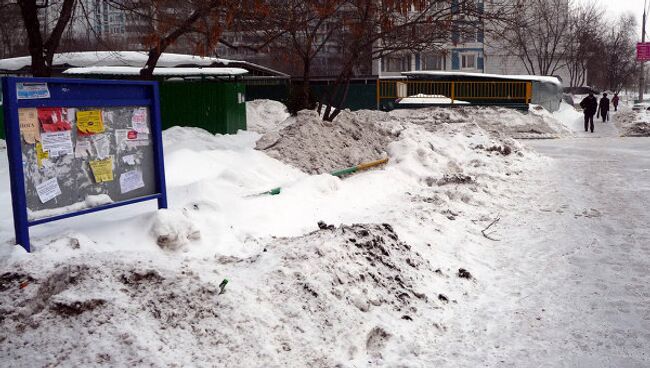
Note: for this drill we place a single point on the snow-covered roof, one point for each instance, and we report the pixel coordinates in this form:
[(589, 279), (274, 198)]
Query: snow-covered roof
[(130, 70), (128, 58), (537, 78), (113, 58)]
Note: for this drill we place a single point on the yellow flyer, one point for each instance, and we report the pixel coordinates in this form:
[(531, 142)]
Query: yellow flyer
[(102, 170), (90, 122), (41, 155)]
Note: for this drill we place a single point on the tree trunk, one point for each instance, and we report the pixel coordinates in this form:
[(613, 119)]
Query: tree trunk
[(42, 53), (306, 90), (334, 99), (29, 12)]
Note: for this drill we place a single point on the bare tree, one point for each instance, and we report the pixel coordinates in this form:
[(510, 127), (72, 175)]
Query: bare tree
[(12, 34), (43, 42), (374, 29), (614, 66), (198, 23), (583, 41), (538, 34)]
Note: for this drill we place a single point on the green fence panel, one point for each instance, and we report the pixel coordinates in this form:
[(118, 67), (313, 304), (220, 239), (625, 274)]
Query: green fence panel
[(276, 92), (218, 107), (361, 96)]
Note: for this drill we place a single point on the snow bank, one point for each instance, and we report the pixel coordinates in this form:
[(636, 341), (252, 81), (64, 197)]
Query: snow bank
[(264, 116), (633, 124), (99, 290), (570, 117), (317, 146), (337, 297), (538, 123)]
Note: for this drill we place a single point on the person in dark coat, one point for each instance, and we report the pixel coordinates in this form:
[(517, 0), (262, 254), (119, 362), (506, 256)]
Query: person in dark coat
[(603, 107), (589, 106), (615, 101)]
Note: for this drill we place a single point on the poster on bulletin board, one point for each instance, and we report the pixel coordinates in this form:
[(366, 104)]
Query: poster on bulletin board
[(81, 146)]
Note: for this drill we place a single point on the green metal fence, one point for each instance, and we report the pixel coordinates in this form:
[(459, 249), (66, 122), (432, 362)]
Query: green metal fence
[(216, 107), (360, 96)]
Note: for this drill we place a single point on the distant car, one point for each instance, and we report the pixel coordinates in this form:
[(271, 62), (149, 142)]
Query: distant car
[(644, 106)]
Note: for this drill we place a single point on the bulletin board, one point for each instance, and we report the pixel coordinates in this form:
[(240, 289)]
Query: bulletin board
[(80, 146)]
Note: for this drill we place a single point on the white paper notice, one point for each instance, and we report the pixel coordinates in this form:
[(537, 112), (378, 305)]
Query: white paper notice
[(120, 138), (57, 143), (130, 181), (102, 145), (140, 139), (82, 149), (129, 159), (107, 116), (48, 190), (139, 121)]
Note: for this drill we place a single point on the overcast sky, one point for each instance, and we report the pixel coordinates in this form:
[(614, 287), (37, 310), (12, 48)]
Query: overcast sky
[(616, 7)]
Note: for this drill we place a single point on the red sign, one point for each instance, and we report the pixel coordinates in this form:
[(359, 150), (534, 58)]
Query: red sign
[(643, 51)]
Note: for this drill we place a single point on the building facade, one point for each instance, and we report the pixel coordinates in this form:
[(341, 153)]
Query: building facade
[(463, 52)]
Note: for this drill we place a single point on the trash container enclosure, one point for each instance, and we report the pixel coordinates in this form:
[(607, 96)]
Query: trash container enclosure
[(216, 106)]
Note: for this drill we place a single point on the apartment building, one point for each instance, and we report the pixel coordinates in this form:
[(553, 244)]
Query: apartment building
[(464, 51)]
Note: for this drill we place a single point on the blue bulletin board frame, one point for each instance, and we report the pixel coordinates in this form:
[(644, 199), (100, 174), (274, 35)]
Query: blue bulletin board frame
[(76, 93)]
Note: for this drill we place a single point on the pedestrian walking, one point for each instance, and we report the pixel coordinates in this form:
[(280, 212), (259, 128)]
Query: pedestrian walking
[(603, 108), (589, 106), (615, 101)]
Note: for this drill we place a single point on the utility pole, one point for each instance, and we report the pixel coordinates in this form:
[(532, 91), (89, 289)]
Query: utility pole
[(642, 77)]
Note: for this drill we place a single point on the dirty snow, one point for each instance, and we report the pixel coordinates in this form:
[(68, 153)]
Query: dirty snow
[(317, 146), (386, 268)]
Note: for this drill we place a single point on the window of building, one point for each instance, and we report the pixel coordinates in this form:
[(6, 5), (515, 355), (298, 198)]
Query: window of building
[(433, 62), (468, 61), (393, 64)]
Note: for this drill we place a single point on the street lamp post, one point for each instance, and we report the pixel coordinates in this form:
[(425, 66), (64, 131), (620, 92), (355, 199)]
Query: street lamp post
[(642, 77)]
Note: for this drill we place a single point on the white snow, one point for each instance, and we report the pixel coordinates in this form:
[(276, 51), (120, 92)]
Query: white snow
[(125, 59), (89, 202), (422, 98), (113, 58), (264, 116), (139, 287), (128, 70)]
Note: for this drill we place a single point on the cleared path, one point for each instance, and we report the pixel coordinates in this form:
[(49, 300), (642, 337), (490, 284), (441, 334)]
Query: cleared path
[(571, 286)]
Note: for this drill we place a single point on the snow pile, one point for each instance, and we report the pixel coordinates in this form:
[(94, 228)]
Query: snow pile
[(336, 297), (633, 124), (422, 98), (538, 123), (263, 116), (173, 229), (99, 290), (317, 146), (571, 117)]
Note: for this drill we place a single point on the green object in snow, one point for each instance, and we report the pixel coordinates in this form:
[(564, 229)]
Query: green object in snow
[(343, 172), (222, 286), (337, 173)]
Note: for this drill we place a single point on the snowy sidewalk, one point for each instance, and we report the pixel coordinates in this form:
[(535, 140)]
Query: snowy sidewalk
[(574, 120), (571, 284)]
